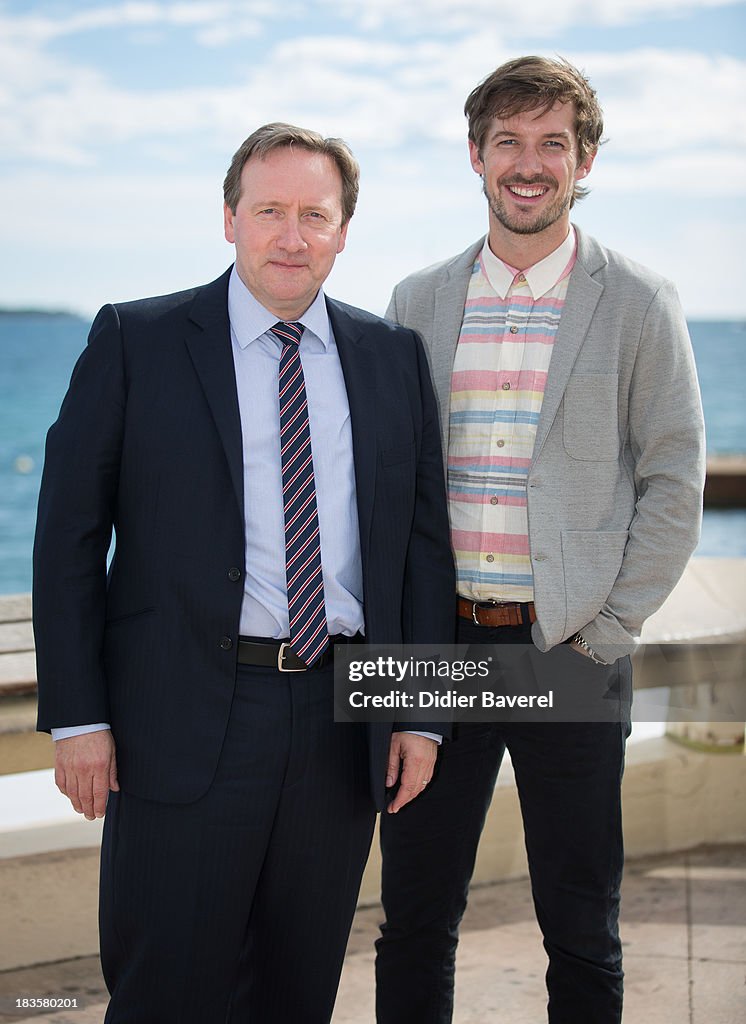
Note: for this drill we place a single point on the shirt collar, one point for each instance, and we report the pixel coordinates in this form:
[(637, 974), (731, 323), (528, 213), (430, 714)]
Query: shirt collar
[(250, 320), (540, 278)]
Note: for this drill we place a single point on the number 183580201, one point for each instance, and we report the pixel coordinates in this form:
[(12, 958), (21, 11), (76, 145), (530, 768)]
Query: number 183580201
[(46, 1002)]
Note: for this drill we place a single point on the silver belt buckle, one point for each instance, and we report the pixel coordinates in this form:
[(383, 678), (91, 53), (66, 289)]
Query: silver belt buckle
[(280, 657), (480, 604)]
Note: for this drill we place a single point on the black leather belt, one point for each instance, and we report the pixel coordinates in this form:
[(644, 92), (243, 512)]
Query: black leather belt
[(277, 653)]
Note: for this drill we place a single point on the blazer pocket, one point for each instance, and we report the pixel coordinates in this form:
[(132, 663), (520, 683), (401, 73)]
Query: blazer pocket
[(393, 456), (590, 426), (591, 560)]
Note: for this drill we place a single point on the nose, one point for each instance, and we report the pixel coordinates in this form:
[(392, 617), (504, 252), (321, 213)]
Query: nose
[(290, 238), (529, 161)]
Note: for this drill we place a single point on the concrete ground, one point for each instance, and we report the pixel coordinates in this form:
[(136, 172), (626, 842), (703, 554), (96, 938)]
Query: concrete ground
[(683, 927)]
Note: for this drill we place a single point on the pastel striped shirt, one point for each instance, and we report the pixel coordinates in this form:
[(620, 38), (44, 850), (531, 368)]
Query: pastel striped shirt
[(499, 375)]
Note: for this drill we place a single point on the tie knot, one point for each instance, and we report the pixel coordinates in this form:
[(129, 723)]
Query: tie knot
[(288, 333)]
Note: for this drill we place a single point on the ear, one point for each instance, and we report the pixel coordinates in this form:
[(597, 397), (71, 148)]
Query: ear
[(475, 158), (228, 223), (342, 238), (584, 169)]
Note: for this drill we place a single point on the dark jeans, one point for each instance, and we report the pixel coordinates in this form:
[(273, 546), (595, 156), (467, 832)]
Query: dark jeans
[(568, 777)]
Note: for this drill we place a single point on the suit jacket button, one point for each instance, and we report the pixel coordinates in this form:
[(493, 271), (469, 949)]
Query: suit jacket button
[(226, 643), (234, 574)]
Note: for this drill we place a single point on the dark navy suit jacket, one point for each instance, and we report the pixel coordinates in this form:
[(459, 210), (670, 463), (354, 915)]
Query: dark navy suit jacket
[(148, 442)]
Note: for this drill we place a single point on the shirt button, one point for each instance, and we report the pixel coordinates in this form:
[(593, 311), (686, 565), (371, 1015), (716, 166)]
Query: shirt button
[(514, 329), (490, 558), (494, 500), (506, 386), (521, 278), (234, 574), (500, 444), (226, 643)]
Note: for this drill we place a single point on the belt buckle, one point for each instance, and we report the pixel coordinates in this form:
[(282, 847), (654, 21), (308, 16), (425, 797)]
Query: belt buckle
[(481, 604), (281, 655)]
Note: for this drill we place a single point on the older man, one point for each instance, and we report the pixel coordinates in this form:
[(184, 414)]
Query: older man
[(270, 464)]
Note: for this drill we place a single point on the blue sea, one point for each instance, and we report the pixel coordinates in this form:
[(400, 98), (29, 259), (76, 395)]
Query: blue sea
[(38, 351)]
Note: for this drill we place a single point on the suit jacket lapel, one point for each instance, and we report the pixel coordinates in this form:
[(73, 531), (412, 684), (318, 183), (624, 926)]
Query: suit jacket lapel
[(359, 367), (583, 294), (208, 339)]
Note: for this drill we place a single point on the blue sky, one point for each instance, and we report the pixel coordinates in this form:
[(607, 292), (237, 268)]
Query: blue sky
[(118, 120)]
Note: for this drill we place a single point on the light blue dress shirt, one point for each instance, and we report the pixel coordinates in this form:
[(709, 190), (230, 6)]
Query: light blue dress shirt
[(256, 356)]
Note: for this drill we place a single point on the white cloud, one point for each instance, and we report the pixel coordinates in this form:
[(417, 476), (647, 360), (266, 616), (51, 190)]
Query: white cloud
[(379, 94), (684, 174), (540, 18), (676, 124), (655, 99), (37, 27), (220, 22)]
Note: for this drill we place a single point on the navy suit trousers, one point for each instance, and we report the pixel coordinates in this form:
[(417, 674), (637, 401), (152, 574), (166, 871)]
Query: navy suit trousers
[(237, 907)]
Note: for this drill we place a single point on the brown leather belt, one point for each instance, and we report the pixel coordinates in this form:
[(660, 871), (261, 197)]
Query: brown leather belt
[(497, 613)]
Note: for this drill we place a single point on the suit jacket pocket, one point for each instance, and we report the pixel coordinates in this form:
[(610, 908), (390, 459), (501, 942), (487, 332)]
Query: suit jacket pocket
[(590, 427), (127, 617)]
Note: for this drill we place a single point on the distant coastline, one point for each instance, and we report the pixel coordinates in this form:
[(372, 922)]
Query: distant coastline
[(31, 311)]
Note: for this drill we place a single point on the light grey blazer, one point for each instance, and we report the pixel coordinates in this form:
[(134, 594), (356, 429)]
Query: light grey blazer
[(616, 479)]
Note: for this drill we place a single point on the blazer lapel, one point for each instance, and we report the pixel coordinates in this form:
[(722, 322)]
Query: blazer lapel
[(448, 314), (583, 294), (208, 339), (359, 367)]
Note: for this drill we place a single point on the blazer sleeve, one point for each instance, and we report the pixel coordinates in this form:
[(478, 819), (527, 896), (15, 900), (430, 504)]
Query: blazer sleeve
[(666, 436), (73, 533)]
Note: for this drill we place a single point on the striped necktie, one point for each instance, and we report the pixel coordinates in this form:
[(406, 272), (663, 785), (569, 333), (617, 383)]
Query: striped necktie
[(305, 585)]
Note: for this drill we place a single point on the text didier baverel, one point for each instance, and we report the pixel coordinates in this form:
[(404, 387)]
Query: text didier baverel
[(450, 699)]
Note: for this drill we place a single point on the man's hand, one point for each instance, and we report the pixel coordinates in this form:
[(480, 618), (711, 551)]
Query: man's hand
[(416, 757), (85, 769)]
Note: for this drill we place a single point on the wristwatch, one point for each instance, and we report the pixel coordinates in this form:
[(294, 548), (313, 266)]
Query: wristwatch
[(581, 641)]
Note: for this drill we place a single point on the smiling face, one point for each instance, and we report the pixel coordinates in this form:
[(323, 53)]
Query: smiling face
[(529, 167), (287, 227)]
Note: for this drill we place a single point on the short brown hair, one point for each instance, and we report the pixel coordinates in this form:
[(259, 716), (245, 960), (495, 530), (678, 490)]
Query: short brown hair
[(276, 135), (536, 83)]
